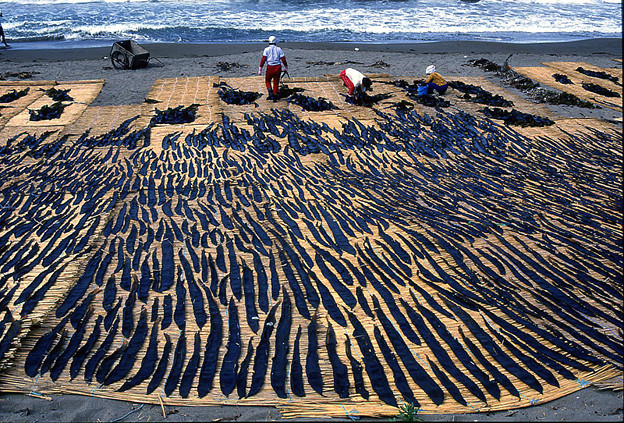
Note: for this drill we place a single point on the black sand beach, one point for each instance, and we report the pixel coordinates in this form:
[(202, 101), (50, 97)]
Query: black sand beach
[(305, 59)]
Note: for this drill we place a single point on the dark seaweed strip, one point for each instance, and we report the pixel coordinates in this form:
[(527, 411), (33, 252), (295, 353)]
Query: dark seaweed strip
[(363, 303), (261, 361), (395, 260), (259, 231), (197, 299), (161, 368), (126, 361), (340, 268), (176, 368), (79, 312), (275, 285), (499, 355), (211, 352), (72, 347), (235, 278), (223, 290), (241, 379), (375, 370), (250, 298), (263, 288), (430, 300), (418, 374), (550, 357), (155, 309), (220, 260), (99, 276), (148, 364), (300, 301), (329, 302), (341, 377), (371, 265), (168, 265), (460, 352), (535, 367), (80, 355), (191, 369), (81, 286), (398, 249), (340, 239), (313, 371), (406, 328), (126, 278), (447, 383), (282, 337), (54, 353), (214, 276), (438, 350), (128, 314), (179, 315), (110, 292), (357, 370), (398, 375), (111, 315), (145, 282), (167, 312), (40, 349), (358, 275), (229, 366), (296, 370), (383, 266), (344, 293), (100, 352), (311, 294), (107, 363)]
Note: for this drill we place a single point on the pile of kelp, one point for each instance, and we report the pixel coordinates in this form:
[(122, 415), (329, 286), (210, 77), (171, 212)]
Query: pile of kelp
[(24, 142), (175, 115), (532, 88), (598, 74), (234, 96), (599, 89), (58, 95), (516, 118), (285, 91), (13, 95), (47, 112), (122, 136), (479, 95), (310, 104), (429, 100), (224, 265), (562, 79), (365, 100)]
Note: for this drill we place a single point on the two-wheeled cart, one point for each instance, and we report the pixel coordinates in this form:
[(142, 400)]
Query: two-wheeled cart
[(129, 54)]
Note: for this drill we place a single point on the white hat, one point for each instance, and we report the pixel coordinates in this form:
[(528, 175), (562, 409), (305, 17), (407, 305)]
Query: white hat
[(272, 39), (430, 69)]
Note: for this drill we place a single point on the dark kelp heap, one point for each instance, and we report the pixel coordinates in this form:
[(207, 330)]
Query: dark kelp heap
[(234, 96), (175, 115), (516, 118), (600, 74), (479, 95), (311, 104), (47, 112), (58, 95), (366, 100), (533, 89), (447, 260), (562, 79), (13, 95), (599, 89)]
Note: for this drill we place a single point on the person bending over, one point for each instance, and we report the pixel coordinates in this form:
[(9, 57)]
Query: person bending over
[(356, 82), (435, 81), (2, 32), (274, 57)]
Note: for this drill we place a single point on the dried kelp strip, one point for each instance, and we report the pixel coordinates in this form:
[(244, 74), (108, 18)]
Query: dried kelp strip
[(13, 95), (599, 89), (229, 365), (191, 368), (514, 117), (296, 370), (282, 338), (261, 361), (148, 364), (163, 363), (313, 371)]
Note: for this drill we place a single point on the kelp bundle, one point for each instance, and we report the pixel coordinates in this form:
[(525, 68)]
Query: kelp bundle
[(596, 74), (13, 95), (286, 91), (431, 100), (233, 96), (58, 95), (47, 112), (562, 79), (598, 89), (367, 100), (175, 115), (479, 95), (310, 104), (516, 118)]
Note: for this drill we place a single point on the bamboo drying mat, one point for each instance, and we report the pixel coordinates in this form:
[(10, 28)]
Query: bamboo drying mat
[(224, 173), (544, 75)]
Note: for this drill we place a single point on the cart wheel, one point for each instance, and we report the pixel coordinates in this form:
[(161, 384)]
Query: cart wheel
[(119, 60)]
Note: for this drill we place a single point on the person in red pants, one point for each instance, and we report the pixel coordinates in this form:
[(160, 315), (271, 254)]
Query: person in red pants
[(274, 58), (355, 82)]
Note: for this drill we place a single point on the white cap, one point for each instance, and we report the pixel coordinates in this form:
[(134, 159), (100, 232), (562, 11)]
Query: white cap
[(272, 39), (430, 69)]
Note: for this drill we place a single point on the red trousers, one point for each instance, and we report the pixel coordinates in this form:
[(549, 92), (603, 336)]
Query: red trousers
[(347, 82), (273, 74)]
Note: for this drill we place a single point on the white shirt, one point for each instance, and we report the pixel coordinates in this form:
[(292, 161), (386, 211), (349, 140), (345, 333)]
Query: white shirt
[(356, 77), (273, 54)]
